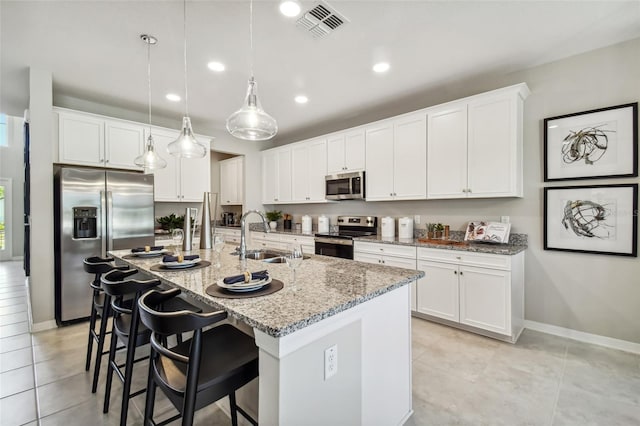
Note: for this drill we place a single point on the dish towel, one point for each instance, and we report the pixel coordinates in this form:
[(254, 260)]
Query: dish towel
[(260, 275), (142, 249), (167, 259)]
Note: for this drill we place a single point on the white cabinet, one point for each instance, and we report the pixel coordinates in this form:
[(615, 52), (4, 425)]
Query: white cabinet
[(388, 254), (474, 146), (308, 243), (276, 176), (230, 235), (346, 151), (396, 158), (231, 181), (308, 169), (278, 241), (184, 179), (485, 291), (92, 140)]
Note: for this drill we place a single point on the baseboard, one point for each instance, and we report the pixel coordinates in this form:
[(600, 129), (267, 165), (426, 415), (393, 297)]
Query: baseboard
[(581, 336), (44, 325)]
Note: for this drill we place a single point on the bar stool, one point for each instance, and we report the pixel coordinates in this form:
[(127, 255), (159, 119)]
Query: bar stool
[(179, 371), (100, 307), (127, 329)]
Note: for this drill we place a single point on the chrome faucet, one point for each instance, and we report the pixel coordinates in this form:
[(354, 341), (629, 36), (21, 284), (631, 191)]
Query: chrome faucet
[(243, 241)]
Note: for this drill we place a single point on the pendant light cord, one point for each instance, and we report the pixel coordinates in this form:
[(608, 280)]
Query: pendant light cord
[(149, 81), (251, 37), (186, 92)]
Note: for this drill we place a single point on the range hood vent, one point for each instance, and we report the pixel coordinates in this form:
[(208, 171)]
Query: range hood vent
[(321, 20)]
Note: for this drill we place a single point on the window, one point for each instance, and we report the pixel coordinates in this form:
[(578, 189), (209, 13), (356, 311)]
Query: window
[(3, 130)]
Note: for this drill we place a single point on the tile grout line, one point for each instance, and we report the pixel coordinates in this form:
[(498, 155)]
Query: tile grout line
[(557, 398)]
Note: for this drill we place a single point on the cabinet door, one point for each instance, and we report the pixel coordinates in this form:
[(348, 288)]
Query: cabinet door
[(195, 176), (438, 290), (447, 152), (335, 154), (81, 139), (166, 181), (354, 150), (485, 299), (123, 143), (269, 177), (317, 169), (493, 148), (379, 159), (229, 181), (284, 176), (410, 157), (300, 173)]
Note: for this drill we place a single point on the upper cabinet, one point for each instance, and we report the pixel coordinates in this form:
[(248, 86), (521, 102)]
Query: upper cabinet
[(184, 179), (345, 151), (231, 181), (276, 176), (475, 146), (396, 159), (92, 140), (308, 169)]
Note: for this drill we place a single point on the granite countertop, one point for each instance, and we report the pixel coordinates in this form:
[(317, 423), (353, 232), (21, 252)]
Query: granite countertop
[(517, 243), (324, 287)]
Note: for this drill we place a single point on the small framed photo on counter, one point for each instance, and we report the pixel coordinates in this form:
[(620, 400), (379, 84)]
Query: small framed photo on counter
[(600, 219), (601, 143)]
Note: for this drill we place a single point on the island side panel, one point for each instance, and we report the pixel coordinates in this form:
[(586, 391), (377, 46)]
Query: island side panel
[(373, 382)]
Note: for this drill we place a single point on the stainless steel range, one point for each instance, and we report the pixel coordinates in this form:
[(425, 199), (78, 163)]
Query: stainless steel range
[(340, 244)]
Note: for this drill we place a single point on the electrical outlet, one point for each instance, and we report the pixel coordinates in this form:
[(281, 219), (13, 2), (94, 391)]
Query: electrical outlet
[(416, 219), (504, 219), (330, 362)]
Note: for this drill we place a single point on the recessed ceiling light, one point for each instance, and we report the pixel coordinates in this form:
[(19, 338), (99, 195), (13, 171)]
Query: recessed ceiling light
[(173, 97), (301, 99), (290, 8), (381, 67), (216, 66)]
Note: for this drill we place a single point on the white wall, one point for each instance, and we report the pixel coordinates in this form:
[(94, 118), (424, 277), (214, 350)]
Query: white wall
[(596, 294)]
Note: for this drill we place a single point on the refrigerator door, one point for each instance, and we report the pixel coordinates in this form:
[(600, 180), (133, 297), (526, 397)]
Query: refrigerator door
[(79, 189), (130, 214)]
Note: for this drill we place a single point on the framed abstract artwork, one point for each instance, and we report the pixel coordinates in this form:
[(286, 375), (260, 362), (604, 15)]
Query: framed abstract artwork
[(601, 143), (592, 219)]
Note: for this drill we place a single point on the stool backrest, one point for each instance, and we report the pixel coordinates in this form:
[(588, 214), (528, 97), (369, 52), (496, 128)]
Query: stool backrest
[(98, 265), (116, 283)]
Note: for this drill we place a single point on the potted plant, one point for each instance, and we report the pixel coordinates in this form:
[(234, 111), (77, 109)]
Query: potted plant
[(273, 217), (171, 222), (435, 231)]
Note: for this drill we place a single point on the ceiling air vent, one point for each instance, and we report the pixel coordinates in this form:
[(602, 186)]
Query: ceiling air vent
[(321, 20)]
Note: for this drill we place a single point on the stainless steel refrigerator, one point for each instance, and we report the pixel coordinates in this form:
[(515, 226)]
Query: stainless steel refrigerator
[(96, 210)]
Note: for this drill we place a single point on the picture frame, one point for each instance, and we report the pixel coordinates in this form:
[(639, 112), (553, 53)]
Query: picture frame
[(600, 219), (595, 144)]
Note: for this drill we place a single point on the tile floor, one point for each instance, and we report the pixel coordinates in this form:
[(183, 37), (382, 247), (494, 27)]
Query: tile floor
[(458, 378)]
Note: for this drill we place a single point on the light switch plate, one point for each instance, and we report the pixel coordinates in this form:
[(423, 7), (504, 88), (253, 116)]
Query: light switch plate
[(504, 219), (416, 219)]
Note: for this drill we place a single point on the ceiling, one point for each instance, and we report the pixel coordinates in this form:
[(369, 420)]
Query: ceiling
[(94, 52)]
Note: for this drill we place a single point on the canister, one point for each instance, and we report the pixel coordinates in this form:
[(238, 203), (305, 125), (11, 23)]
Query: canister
[(388, 227), (405, 228), (306, 224), (323, 224)]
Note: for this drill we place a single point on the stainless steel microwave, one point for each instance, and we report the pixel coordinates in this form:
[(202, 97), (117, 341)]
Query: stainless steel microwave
[(345, 186)]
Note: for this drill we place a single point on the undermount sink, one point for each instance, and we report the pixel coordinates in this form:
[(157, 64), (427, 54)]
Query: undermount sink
[(263, 255)]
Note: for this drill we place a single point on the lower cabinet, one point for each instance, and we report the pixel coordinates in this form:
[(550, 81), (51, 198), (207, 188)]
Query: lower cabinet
[(485, 291), (275, 240), (388, 254), (230, 235)]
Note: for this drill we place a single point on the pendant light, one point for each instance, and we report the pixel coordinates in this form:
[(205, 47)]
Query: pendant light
[(251, 122), (150, 160), (186, 146)]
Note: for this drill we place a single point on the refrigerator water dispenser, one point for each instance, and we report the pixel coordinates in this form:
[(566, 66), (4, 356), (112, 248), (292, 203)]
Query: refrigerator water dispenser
[(85, 222)]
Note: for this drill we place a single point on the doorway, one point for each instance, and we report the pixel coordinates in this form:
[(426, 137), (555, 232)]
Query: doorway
[(5, 219)]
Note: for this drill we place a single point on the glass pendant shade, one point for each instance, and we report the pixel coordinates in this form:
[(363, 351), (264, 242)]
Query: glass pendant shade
[(186, 146), (250, 122), (149, 159)]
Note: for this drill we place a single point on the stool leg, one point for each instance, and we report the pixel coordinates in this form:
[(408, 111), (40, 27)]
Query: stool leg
[(151, 392), (106, 313), (92, 327), (128, 365), (112, 360), (233, 408)]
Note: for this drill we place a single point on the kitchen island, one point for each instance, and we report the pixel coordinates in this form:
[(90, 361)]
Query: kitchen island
[(361, 309)]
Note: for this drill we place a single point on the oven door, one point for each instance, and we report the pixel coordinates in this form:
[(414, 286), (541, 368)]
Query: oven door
[(334, 247)]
